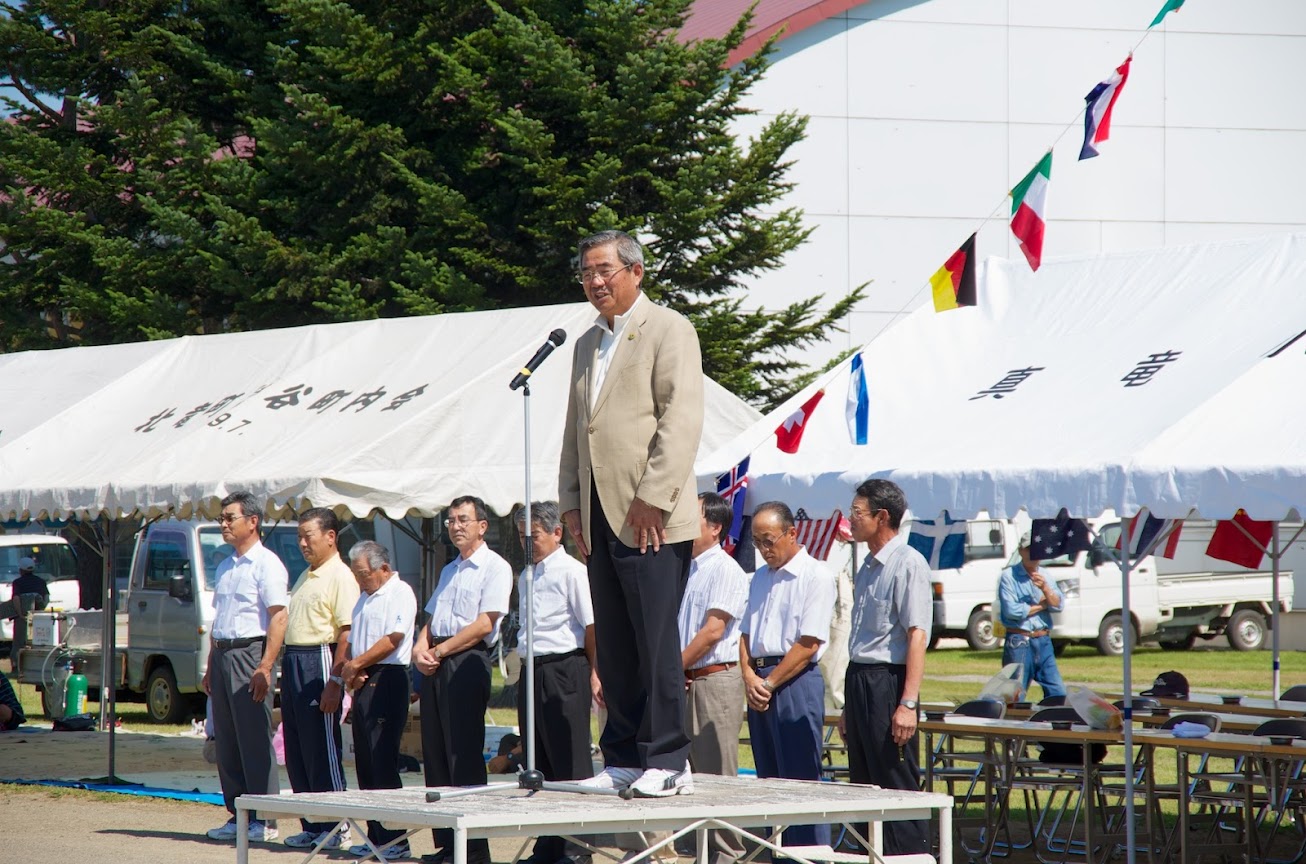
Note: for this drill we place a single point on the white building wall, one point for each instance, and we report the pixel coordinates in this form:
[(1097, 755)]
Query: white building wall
[(924, 112)]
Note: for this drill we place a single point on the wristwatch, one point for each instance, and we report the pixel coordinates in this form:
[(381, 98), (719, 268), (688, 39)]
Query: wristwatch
[(909, 704), (766, 682), (336, 679)]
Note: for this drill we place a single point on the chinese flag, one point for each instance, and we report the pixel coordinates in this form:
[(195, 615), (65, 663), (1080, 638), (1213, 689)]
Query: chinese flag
[(1232, 545), (789, 434)]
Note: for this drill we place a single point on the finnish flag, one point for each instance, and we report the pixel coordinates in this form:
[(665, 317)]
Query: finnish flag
[(941, 542)]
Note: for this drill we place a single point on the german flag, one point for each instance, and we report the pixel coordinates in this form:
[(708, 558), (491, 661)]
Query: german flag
[(954, 284)]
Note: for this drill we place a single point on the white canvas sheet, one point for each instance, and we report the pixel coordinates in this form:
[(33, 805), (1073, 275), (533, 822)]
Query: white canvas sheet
[(76, 430), (1218, 426)]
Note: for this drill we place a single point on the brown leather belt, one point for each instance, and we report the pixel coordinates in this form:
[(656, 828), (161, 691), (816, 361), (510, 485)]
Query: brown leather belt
[(1033, 634), (703, 671)]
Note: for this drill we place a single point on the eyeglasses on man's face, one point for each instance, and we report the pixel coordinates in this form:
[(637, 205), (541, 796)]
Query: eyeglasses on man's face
[(230, 518), (460, 520), (586, 277)]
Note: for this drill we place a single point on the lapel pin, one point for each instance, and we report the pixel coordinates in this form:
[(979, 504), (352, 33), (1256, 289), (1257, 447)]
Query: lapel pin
[(630, 337)]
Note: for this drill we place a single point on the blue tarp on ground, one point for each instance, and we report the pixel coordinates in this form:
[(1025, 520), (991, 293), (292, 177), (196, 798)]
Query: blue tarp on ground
[(128, 789)]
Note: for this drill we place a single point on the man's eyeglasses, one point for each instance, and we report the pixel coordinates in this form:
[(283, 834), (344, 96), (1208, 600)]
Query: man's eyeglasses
[(459, 520), (766, 544), (585, 277), (228, 519), (858, 513)]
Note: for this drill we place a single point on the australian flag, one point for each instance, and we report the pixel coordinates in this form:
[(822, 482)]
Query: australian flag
[(941, 542), (732, 486), (1052, 538)]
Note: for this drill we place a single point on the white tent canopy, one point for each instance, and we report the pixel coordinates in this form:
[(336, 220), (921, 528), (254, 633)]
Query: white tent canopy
[(402, 415), (1160, 379)]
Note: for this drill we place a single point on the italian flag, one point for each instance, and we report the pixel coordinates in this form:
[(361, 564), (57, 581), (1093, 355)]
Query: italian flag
[(1028, 209)]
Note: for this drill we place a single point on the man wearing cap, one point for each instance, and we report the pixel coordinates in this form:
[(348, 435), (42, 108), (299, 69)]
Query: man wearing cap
[(1026, 600), (26, 583)]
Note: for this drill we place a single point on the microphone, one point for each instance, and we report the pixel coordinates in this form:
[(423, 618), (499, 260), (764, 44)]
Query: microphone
[(556, 338)]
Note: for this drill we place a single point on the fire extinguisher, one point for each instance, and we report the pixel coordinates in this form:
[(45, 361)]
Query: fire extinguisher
[(75, 692)]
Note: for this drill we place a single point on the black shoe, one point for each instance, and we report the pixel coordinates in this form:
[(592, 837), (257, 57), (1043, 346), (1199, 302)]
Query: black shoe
[(440, 856), (575, 859)]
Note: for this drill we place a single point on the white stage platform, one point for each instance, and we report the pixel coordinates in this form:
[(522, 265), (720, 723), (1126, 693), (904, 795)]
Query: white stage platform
[(717, 802)]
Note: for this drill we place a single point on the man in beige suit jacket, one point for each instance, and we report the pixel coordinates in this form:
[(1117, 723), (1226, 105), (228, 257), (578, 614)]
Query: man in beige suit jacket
[(626, 485)]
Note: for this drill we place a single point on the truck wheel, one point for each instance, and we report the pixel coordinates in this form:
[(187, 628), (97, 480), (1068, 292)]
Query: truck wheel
[(979, 631), (1183, 644), (163, 701), (1246, 630), (1111, 636), (1059, 646)]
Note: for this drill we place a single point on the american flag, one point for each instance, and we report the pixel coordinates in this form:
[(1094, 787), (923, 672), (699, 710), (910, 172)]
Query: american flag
[(733, 486), (818, 535)]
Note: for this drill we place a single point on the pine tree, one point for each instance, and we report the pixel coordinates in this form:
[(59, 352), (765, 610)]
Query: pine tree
[(214, 166)]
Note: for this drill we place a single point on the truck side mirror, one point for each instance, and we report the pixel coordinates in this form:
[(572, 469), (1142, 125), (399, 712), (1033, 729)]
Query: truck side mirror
[(179, 588), (995, 537)]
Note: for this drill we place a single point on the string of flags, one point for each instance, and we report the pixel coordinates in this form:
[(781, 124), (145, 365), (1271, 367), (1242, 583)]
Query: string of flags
[(953, 286), (949, 288)]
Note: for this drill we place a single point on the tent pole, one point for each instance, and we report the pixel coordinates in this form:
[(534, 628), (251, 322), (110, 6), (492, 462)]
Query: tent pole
[(1274, 610), (1127, 621)]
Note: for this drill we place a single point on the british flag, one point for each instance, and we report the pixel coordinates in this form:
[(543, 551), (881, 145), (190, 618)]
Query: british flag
[(733, 486), (818, 535)]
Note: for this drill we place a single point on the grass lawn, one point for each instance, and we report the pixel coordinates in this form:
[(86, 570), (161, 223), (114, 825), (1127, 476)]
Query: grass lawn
[(956, 675)]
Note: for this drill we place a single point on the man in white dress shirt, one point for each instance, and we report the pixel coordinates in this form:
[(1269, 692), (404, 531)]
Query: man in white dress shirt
[(452, 652), (566, 674), (381, 643), (784, 631), (249, 625), (714, 602)]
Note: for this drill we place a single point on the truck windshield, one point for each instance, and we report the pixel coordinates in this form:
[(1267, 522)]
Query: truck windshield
[(54, 561), (282, 540)]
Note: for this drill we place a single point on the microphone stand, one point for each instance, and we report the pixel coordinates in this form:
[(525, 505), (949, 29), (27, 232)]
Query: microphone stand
[(531, 779)]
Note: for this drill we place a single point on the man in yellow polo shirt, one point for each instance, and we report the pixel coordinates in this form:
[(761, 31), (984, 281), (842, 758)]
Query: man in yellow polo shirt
[(321, 607)]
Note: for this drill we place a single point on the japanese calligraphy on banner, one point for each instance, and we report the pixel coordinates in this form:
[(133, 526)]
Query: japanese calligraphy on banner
[(235, 411)]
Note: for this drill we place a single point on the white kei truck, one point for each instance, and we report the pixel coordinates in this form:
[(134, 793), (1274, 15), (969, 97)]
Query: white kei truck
[(1174, 602)]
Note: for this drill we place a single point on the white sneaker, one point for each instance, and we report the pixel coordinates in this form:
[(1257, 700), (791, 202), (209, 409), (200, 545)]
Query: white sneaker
[(223, 832), (612, 778), (337, 841), (303, 840), (663, 783), (393, 853), (262, 832)]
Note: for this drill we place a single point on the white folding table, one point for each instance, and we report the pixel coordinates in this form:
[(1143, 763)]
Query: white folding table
[(727, 803)]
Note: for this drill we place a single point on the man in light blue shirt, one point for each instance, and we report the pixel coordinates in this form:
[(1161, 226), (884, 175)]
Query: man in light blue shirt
[(1026, 599), (893, 614)]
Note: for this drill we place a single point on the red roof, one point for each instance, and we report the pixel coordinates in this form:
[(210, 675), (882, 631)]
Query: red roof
[(712, 19)]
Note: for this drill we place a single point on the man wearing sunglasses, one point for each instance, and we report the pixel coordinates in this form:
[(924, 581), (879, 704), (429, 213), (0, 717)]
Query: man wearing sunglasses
[(782, 636), (249, 625)]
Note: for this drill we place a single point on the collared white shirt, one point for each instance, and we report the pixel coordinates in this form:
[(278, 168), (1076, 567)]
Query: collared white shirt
[(247, 585), (609, 339), (891, 595), (467, 588), (563, 608), (796, 600), (392, 608), (716, 581)]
